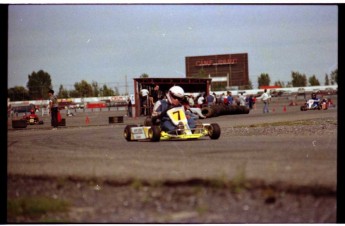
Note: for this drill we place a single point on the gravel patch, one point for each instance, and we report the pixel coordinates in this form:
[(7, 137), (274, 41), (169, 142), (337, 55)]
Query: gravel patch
[(315, 127)]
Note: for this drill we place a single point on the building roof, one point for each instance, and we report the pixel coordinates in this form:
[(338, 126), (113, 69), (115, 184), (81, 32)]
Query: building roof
[(188, 84)]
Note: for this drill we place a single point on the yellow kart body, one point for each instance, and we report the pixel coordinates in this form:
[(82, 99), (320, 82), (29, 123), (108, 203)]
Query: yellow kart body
[(183, 132)]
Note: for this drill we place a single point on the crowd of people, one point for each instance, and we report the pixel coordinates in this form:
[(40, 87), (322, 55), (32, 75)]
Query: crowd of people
[(203, 100)]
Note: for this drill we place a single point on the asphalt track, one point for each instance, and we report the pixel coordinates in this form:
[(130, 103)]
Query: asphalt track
[(89, 146)]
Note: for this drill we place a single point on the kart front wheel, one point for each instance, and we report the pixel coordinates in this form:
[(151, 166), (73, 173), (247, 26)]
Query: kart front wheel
[(214, 131), (155, 133), (127, 132)]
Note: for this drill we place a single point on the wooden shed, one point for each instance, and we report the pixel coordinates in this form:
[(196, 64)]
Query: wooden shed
[(190, 85)]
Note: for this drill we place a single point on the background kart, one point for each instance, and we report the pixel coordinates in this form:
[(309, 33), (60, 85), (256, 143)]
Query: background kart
[(32, 120), (312, 104), (152, 132)]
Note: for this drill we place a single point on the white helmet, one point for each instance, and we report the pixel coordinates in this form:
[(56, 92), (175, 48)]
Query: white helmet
[(175, 92)]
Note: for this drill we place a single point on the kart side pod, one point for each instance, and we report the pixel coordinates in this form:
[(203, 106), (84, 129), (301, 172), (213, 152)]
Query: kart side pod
[(134, 132)]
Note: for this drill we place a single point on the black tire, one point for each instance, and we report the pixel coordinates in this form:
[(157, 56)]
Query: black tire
[(217, 110), (19, 124), (127, 132), (244, 109), (208, 112), (214, 131), (155, 133)]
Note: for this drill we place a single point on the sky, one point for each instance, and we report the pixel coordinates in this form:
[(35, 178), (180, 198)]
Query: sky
[(112, 44)]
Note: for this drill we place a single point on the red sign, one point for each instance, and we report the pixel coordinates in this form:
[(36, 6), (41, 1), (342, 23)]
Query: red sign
[(201, 63)]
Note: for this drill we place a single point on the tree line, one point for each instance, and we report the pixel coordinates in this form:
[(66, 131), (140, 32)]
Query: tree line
[(300, 80), (40, 82)]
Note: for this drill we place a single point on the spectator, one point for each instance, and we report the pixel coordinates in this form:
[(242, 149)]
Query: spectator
[(53, 107), (230, 99), (210, 99), (242, 99), (129, 107), (191, 100), (265, 97), (251, 102), (144, 94), (200, 100), (156, 94)]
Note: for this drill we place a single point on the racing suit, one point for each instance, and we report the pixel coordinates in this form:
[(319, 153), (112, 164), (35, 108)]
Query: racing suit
[(160, 111)]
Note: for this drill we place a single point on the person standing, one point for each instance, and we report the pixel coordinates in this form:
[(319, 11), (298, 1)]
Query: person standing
[(191, 100), (144, 101), (251, 102), (230, 99), (53, 109), (129, 107), (200, 100), (265, 97), (242, 99), (156, 95), (210, 99)]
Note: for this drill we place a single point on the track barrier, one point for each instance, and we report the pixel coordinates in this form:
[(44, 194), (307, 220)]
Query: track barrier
[(116, 119)]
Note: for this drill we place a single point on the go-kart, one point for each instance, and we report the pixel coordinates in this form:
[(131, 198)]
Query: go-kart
[(32, 120), (311, 104), (178, 117)]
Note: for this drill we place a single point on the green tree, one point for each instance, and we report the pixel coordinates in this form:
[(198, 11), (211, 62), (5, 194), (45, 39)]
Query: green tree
[(313, 81), (105, 91), (95, 89), (279, 83), (18, 93), (326, 80), (334, 77), (38, 85), (83, 89), (63, 93), (289, 84), (144, 75), (74, 93), (264, 80), (298, 80)]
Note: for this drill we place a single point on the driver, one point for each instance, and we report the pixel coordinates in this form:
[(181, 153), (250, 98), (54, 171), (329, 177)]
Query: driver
[(316, 100), (313, 96), (32, 116), (174, 98)]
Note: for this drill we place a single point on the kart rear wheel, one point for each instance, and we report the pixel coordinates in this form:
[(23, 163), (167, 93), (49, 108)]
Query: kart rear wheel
[(127, 132), (303, 108), (154, 133), (214, 131)]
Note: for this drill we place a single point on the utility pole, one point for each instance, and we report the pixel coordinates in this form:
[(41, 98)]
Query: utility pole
[(126, 85)]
